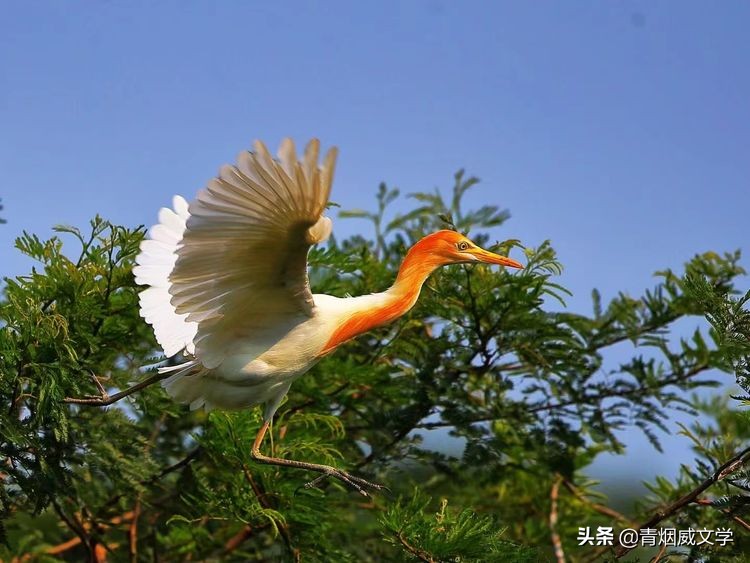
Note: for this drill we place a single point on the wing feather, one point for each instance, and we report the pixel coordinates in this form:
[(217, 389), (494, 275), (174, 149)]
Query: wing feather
[(241, 263), (155, 262)]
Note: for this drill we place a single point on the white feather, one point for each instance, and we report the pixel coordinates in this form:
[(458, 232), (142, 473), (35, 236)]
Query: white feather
[(155, 262), (228, 279)]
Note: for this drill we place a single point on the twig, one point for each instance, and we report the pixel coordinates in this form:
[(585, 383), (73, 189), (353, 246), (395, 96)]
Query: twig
[(726, 469), (310, 402), (594, 399), (263, 500), (660, 554), (133, 528), (240, 537), (600, 508), (154, 478), (99, 386), (174, 467), (404, 431), (416, 552), (553, 516), (59, 548), (96, 551), (73, 542), (740, 521), (74, 527), (133, 531), (84, 250), (106, 399), (375, 453)]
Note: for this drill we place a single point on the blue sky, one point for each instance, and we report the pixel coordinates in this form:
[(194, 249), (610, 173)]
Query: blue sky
[(620, 130)]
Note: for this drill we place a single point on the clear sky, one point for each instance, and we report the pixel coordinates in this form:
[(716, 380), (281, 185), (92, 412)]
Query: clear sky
[(620, 130)]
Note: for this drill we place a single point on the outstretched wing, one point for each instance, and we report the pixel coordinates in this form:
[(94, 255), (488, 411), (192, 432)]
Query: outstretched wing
[(241, 269)]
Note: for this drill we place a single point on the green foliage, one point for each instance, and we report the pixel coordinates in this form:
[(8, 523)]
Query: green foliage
[(730, 321), (517, 390), (728, 500), (447, 536)]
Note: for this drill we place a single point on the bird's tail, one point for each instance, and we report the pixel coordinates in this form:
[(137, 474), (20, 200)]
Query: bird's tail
[(185, 385), (155, 263)]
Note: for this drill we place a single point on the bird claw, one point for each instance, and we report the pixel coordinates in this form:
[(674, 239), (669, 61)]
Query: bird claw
[(357, 483)]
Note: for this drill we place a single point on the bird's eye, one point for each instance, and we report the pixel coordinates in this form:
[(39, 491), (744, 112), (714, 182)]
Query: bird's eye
[(463, 245)]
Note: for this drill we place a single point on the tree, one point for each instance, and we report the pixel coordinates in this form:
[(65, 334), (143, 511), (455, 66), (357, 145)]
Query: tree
[(97, 462)]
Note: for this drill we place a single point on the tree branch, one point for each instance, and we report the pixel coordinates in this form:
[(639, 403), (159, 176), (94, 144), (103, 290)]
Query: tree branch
[(659, 554), (240, 537), (553, 516), (262, 497), (105, 399), (76, 528), (73, 542), (740, 521), (644, 329), (726, 469), (174, 467), (166, 471), (672, 379), (600, 508), (416, 552)]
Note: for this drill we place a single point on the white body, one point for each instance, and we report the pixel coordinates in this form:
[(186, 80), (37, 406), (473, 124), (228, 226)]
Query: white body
[(246, 378), (228, 281)]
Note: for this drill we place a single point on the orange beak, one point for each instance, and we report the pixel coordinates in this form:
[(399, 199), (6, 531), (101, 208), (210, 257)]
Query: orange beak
[(491, 258)]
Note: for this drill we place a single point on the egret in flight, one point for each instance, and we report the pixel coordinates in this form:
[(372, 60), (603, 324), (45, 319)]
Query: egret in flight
[(228, 286)]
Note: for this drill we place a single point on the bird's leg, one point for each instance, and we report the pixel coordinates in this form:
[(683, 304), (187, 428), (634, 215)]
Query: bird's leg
[(356, 483)]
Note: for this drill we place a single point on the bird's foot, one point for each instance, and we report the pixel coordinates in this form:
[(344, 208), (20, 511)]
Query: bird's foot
[(357, 483)]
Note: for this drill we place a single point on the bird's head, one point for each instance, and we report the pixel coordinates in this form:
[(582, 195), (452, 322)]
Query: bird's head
[(450, 247)]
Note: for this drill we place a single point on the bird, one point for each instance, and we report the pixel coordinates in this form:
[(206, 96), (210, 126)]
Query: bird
[(228, 289)]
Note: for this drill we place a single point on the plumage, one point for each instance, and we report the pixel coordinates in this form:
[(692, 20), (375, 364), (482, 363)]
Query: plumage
[(228, 284)]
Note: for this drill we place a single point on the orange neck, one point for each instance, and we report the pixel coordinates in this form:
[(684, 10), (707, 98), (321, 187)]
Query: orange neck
[(398, 299), (417, 266)]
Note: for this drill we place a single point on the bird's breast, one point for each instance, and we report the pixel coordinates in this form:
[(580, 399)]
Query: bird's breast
[(350, 317)]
